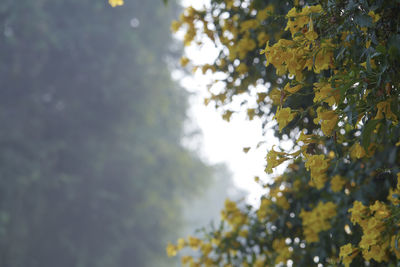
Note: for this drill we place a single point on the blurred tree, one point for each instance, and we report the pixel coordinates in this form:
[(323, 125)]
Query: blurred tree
[(206, 208), (93, 171)]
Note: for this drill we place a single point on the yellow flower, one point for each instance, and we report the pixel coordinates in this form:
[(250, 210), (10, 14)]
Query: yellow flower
[(325, 93), (376, 252), (357, 151), (264, 13), (276, 96), (184, 61), (175, 25), (227, 115), (307, 138), (381, 211), (251, 112), (171, 250), (328, 120), (274, 159), (323, 60), (284, 116), (186, 260), (206, 248), (248, 24), (293, 89), (368, 44), (282, 249), (230, 206), (245, 45), (316, 9), (358, 213), (262, 38), (337, 183), (347, 253), (384, 107), (375, 17), (311, 35), (194, 242), (244, 233), (372, 61), (242, 68), (317, 220), (317, 165), (115, 3), (181, 244), (282, 202)]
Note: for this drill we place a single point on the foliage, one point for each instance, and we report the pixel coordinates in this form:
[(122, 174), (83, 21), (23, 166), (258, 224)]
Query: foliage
[(93, 172), (328, 73)]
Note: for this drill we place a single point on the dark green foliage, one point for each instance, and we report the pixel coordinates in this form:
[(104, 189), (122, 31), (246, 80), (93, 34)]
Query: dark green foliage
[(92, 169)]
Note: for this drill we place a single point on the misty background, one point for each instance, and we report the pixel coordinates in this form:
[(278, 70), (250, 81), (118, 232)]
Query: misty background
[(92, 167)]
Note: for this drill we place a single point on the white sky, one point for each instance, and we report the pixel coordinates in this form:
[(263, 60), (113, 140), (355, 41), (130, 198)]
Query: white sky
[(223, 142)]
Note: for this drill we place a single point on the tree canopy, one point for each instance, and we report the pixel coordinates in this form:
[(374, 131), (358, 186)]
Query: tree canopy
[(325, 75)]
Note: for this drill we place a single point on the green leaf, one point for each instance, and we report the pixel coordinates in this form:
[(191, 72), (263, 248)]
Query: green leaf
[(381, 49), (340, 53), (366, 133), (363, 20), (369, 63), (394, 46), (351, 5)]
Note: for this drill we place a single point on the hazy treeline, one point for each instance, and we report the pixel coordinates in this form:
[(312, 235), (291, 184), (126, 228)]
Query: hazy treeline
[(92, 168)]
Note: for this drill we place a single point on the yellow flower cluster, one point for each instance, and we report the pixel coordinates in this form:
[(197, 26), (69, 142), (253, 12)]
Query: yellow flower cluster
[(325, 93), (248, 25), (327, 119), (337, 183), (264, 13), (374, 244), (317, 220), (195, 244), (347, 254), (287, 56), (278, 196), (297, 20), (243, 46), (293, 56), (233, 215), (323, 56), (284, 253), (265, 209), (317, 165)]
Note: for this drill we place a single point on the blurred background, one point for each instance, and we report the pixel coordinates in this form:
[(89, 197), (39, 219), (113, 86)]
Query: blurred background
[(93, 170)]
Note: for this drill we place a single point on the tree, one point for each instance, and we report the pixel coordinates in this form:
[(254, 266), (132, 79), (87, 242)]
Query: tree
[(327, 73), (93, 171)]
